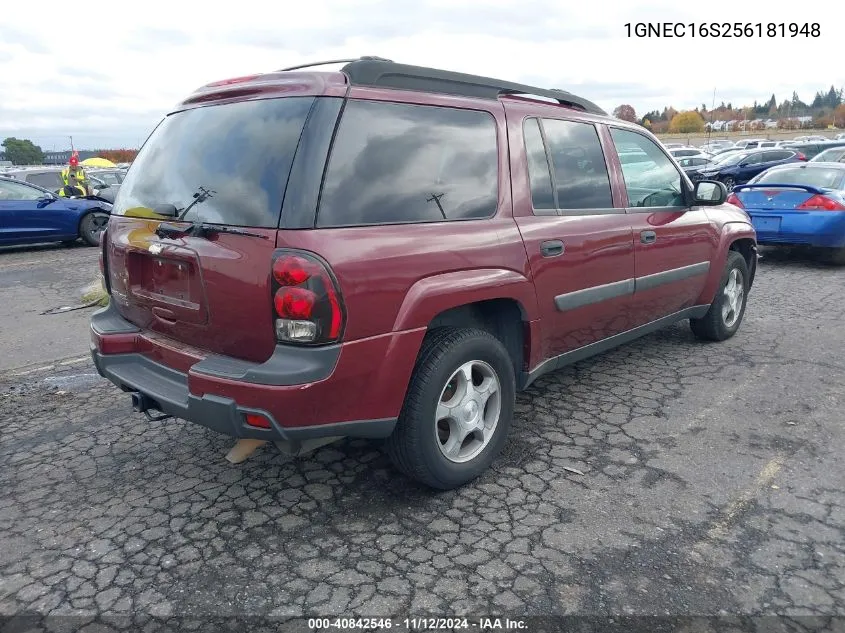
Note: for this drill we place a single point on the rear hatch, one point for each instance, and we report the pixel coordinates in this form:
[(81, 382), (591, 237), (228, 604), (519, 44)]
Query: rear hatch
[(205, 279)]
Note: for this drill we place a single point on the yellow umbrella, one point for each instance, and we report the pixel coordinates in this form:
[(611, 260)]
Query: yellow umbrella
[(97, 162)]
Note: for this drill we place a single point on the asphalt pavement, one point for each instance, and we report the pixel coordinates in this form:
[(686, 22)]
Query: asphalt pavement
[(667, 477)]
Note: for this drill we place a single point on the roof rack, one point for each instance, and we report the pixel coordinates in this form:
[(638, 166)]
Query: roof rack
[(333, 61), (378, 72)]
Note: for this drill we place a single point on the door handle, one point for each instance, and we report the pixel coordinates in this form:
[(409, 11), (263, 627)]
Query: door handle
[(648, 237), (551, 248)]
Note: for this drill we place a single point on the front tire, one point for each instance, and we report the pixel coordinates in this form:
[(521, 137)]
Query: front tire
[(723, 318), (92, 225), (458, 408), (729, 182)]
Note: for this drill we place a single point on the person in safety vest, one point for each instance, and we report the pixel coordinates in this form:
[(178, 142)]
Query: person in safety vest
[(73, 179)]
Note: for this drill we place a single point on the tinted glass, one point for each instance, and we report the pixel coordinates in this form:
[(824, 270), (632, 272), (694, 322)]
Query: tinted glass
[(831, 178), (753, 159), (393, 163), (242, 152), (653, 183), (107, 177), (538, 167), (17, 191), (578, 165), (48, 180), (776, 155)]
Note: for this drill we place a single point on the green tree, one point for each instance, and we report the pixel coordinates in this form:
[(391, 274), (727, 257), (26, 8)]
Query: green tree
[(832, 98), (22, 151), (686, 122)]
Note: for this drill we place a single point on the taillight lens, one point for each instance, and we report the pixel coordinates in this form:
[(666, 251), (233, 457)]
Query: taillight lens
[(821, 203), (307, 304), (734, 199), (800, 156)]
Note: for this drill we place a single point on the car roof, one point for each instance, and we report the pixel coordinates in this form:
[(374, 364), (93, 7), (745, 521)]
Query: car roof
[(377, 72)]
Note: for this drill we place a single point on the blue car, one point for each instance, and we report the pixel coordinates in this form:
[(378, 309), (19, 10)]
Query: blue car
[(740, 167), (799, 204), (30, 214)]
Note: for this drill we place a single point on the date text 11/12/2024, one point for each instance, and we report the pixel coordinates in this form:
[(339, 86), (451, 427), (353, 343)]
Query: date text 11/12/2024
[(417, 624), (722, 29)]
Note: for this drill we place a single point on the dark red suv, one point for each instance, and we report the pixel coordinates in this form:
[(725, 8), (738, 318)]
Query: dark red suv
[(391, 251)]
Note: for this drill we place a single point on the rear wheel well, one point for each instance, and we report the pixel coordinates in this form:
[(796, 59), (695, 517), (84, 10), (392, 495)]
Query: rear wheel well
[(503, 318), (748, 249)]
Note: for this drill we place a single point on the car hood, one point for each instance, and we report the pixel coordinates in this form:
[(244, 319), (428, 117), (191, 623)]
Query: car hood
[(83, 204)]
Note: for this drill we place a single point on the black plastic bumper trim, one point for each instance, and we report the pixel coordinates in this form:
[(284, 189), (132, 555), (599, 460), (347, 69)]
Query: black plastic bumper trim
[(168, 388)]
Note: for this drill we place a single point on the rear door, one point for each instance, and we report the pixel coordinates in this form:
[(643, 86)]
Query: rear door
[(226, 166), (674, 242), (578, 238)]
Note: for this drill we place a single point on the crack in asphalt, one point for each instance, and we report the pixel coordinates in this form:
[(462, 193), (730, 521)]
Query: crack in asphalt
[(712, 485)]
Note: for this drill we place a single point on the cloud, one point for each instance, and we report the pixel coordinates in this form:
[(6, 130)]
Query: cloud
[(117, 78)]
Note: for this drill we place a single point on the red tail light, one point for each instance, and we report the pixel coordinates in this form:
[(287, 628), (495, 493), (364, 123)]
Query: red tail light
[(821, 203), (734, 199), (306, 300), (800, 156)]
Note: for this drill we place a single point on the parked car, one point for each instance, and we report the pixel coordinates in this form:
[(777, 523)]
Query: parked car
[(684, 152), (673, 145), (49, 178), (840, 137), (106, 182), (749, 143), (832, 155), (693, 166), (798, 204), (713, 146), (743, 166), (811, 149), (438, 242), (30, 214)]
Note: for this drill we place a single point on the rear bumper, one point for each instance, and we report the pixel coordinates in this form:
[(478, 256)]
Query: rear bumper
[(811, 228), (309, 399)]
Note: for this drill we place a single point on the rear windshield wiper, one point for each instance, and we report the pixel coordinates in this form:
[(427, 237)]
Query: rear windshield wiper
[(200, 229)]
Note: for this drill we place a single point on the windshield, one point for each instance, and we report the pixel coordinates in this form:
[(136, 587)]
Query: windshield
[(232, 161), (830, 155), (830, 178)]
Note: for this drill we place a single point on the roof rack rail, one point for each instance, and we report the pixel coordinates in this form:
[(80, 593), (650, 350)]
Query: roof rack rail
[(378, 72), (333, 61)]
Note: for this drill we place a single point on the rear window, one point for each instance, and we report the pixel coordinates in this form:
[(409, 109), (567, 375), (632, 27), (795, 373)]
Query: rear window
[(825, 178), (48, 180), (241, 152), (398, 163)]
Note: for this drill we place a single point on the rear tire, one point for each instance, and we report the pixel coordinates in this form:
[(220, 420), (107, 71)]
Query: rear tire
[(723, 318), (457, 410), (92, 225)]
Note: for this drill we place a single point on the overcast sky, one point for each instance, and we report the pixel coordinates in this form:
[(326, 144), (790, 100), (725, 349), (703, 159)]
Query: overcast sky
[(110, 82)]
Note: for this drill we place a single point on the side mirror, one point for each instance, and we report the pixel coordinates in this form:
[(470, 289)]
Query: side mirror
[(710, 193)]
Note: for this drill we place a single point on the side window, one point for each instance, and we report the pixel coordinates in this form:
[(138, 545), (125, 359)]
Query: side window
[(542, 197), (773, 155), (17, 191), (578, 165), (653, 182), (752, 159), (396, 163)]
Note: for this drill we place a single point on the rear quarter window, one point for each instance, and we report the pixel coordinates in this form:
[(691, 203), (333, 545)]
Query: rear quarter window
[(398, 163)]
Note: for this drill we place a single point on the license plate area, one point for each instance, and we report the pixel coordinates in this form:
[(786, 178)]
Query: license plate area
[(170, 286), (763, 224)]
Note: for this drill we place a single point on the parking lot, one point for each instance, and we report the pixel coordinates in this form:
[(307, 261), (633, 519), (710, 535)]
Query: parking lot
[(668, 477)]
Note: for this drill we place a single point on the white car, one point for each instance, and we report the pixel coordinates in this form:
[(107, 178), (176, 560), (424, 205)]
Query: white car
[(688, 152)]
